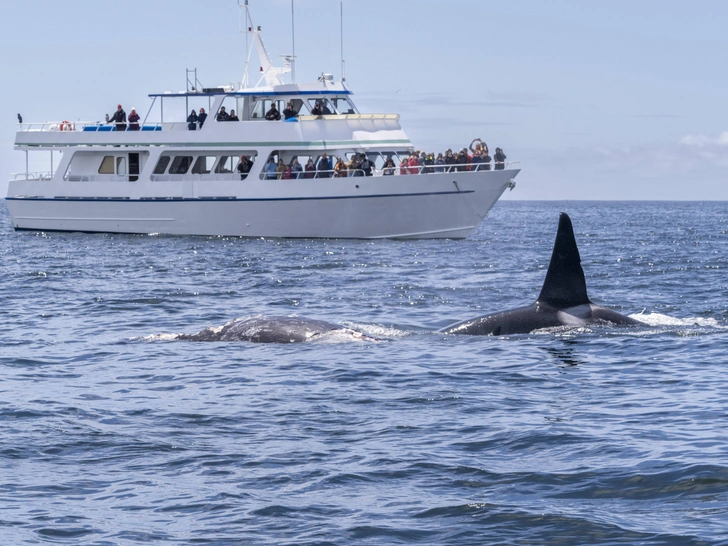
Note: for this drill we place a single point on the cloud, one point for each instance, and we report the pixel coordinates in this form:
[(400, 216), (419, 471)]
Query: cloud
[(703, 141)]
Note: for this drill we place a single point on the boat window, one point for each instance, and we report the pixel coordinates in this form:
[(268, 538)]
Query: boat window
[(107, 165), (162, 164), (225, 165), (299, 106), (121, 165), (257, 112), (261, 107), (344, 106), (180, 164), (231, 105), (203, 164), (325, 105)]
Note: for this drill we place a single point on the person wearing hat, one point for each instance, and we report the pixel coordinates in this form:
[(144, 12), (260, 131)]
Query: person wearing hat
[(317, 110), (133, 120), (119, 118), (192, 120)]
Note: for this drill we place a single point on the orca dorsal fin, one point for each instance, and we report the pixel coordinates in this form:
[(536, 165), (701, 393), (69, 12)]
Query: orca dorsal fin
[(565, 285)]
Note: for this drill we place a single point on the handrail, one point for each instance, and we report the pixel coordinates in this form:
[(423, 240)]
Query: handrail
[(38, 175), (79, 125), (419, 170), (96, 126)]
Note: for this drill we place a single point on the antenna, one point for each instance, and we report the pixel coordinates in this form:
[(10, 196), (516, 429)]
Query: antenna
[(343, 65), (293, 39), (245, 27)]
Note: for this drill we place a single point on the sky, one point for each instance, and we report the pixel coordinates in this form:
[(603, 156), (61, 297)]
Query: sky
[(620, 100)]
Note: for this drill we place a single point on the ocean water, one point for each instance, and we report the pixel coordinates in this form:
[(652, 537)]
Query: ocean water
[(112, 432)]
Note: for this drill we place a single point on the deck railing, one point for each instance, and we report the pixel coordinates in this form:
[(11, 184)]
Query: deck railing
[(394, 171), (222, 177), (95, 126)]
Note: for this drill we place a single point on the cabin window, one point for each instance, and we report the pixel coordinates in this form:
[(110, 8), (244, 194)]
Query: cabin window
[(121, 166), (107, 165), (162, 164), (225, 165), (344, 106), (203, 164), (298, 105), (326, 106), (180, 164)]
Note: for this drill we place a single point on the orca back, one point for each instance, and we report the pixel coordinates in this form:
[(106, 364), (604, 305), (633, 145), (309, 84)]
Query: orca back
[(565, 285)]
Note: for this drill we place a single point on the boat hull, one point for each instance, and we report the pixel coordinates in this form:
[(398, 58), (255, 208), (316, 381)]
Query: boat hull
[(439, 205)]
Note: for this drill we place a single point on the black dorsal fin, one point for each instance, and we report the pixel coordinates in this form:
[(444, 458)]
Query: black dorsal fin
[(564, 285)]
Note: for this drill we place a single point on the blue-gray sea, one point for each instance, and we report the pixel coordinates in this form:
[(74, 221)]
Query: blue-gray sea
[(112, 432)]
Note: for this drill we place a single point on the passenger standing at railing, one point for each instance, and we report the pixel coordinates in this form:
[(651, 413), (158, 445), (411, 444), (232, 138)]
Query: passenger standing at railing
[(421, 162), (273, 114), (296, 169), (317, 110), (340, 168), (429, 162), (477, 159), (233, 116), (289, 112), (500, 158), (310, 169), (449, 161), (462, 160), (440, 162), (479, 145), (414, 163), (222, 115), (388, 168), (280, 168), (243, 167), (270, 169), (324, 167), (365, 165), (201, 117), (119, 118), (192, 120), (133, 120), (353, 166), (486, 160), (404, 166)]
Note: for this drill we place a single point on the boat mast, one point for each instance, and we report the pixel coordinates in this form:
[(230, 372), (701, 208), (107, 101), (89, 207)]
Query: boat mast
[(341, 24), (245, 27), (293, 40)]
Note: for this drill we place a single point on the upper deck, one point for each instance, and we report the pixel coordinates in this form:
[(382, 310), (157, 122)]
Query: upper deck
[(341, 124)]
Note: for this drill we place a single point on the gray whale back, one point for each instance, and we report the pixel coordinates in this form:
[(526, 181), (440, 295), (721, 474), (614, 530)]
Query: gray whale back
[(266, 330), (563, 300)]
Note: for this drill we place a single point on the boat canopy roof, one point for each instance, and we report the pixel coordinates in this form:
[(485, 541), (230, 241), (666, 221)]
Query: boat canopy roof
[(308, 89)]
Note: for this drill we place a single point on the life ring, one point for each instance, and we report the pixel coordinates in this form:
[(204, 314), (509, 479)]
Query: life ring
[(65, 126)]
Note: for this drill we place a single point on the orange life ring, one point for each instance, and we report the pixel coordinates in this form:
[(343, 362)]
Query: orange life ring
[(65, 126)]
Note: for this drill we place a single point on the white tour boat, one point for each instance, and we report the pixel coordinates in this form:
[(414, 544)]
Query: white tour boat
[(163, 177)]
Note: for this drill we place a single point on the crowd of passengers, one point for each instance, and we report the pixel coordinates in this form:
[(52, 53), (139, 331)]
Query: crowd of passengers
[(195, 120), (360, 165), (474, 158)]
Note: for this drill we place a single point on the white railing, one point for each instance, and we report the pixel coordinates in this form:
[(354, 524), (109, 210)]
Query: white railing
[(394, 171), (40, 175), (96, 126)]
